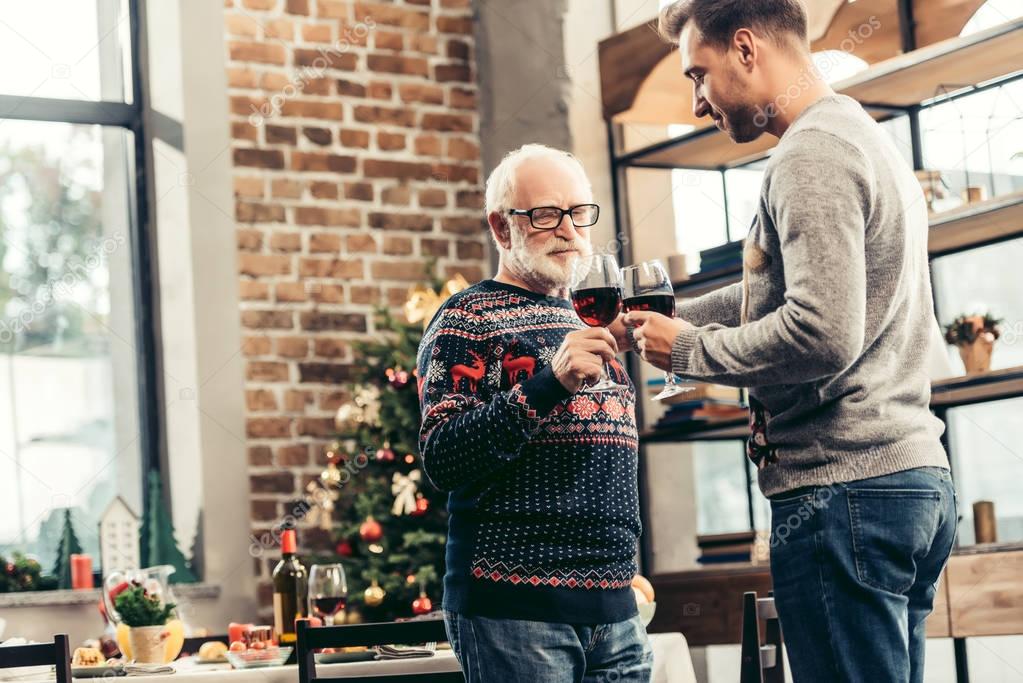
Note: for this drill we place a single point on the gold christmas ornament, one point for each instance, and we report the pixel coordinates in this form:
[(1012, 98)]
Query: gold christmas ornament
[(331, 475), (422, 301), (374, 595)]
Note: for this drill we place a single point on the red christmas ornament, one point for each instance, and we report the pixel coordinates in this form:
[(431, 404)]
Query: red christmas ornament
[(344, 548), (397, 378), (422, 604), (385, 453), (371, 531), (422, 505)]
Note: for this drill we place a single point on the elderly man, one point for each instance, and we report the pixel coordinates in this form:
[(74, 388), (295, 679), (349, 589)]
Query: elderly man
[(830, 329), (544, 516)]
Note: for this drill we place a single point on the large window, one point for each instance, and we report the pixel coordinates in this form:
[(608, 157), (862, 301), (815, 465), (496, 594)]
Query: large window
[(976, 141), (76, 349)]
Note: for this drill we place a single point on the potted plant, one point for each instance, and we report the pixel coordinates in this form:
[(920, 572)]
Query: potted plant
[(146, 616), (975, 336)]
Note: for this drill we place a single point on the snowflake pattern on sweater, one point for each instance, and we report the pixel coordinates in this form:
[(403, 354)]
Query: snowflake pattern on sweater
[(543, 484)]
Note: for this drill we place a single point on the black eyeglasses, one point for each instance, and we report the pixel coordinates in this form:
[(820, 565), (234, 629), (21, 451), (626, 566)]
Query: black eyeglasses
[(550, 217)]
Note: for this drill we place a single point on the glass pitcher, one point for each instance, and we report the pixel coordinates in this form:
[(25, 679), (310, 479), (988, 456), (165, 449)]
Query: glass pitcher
[(153, 579)]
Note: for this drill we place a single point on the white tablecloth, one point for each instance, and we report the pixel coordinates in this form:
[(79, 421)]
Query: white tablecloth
[(671, 665)]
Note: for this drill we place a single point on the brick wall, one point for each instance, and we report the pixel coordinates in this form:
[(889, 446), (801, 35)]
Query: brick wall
[(356, 158)]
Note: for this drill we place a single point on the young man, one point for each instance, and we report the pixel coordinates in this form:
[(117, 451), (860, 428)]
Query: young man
[(544, 517), (830, 329)]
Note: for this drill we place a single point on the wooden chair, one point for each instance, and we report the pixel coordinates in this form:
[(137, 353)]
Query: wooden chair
[(311, 638), (57, 653), (192, 645), (761, 663)]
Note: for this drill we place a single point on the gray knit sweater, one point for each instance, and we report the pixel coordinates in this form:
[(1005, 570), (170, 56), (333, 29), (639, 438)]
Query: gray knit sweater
[(831, 324)]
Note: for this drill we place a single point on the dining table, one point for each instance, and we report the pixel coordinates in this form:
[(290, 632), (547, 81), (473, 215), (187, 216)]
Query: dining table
[(672, 664)]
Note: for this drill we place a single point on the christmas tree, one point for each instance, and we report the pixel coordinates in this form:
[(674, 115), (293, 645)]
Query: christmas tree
[(67, 547), (157, 536), (389, 522)]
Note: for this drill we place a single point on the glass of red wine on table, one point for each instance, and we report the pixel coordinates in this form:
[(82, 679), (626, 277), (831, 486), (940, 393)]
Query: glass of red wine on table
[(597, 298), (647, 287), (328, 592)]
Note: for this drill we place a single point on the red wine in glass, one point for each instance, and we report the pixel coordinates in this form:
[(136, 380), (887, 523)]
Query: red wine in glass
[(328, 590), (657, 303), (328, 606), (648, 288), (597, 306), (596, 291)]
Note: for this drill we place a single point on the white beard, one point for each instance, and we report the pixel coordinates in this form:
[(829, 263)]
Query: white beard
[(538, 268)]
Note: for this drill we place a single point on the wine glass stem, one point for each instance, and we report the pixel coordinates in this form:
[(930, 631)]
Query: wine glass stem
[(328, 619)]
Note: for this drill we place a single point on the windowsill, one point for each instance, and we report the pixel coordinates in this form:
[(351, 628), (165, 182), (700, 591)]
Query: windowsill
[(191, 591)]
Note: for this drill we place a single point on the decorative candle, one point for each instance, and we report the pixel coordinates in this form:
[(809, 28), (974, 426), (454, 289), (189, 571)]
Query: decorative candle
[(81, 572), (984, 527)]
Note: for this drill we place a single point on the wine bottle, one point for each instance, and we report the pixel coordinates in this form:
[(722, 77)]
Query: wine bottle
[(290, 591)]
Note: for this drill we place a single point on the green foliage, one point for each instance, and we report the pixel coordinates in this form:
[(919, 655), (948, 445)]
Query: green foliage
[(966, 328), (139, 608), (23, 573), (67, 547), (53, 229)]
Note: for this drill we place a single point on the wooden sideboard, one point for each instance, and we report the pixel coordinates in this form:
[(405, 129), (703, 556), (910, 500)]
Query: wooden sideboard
[(980, 594)]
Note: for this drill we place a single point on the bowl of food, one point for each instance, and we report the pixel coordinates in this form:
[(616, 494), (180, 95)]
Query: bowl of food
[(257, 658)]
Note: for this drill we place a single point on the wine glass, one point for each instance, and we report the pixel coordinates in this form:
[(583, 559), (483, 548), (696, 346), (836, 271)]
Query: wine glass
[(328, 591), (597, 298), (647, 287)]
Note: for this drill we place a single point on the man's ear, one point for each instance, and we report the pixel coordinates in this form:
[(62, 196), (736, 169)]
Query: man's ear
[(745, 45), (501, 229)]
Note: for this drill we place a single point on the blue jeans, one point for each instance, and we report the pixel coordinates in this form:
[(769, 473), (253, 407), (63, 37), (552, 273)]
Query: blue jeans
[(517, 651), (854, 567)]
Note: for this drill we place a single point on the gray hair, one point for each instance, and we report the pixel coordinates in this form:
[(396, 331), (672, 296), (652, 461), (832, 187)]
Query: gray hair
[(501, 183)]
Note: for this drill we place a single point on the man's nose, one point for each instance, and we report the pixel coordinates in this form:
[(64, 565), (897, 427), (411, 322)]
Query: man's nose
[(701, 107), (566, 229)]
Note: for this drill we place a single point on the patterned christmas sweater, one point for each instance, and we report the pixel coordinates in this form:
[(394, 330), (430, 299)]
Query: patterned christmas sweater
[(543, 503)]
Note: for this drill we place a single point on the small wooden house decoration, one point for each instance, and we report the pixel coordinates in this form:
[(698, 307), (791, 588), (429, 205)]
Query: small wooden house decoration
[(119, 530)]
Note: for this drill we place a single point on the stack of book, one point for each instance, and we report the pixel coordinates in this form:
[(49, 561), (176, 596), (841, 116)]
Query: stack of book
[(726, 548), (705, 403), (727, 256)]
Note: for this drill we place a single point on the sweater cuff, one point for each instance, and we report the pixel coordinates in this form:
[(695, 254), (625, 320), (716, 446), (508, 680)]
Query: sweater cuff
[(681, 350), (543, 391)]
